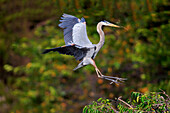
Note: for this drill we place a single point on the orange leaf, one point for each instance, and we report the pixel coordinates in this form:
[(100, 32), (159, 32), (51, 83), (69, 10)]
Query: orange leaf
[(100, 81)]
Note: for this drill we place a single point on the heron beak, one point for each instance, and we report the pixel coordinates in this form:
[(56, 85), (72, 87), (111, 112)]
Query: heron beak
[(113, 25)]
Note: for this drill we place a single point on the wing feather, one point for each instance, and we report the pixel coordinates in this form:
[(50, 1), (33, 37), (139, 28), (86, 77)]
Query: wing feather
[(78, 53), (67, 23), (75, 31), (80, 35)]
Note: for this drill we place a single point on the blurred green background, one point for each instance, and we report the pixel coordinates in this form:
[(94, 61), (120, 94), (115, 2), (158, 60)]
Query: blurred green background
[(31, 82)]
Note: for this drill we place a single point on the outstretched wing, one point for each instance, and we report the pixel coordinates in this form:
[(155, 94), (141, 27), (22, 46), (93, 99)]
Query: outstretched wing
[(73, 50), (80, 34), (75, 31), (67, 23), (75, 36)]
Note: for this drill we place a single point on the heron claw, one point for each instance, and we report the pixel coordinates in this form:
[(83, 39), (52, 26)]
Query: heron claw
[(116, 80)]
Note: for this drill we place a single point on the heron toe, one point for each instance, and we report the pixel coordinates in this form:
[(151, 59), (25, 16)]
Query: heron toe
[(116, 80)]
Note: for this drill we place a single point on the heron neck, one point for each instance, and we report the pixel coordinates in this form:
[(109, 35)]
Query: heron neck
[(101, 33)]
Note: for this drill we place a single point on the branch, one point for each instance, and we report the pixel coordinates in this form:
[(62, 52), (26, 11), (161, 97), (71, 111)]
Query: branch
[(125, 102)]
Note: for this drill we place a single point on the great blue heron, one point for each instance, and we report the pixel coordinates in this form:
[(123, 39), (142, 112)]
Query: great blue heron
[(78, 44)]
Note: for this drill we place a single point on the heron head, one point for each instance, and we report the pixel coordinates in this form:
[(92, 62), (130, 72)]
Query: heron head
[(106, 23)]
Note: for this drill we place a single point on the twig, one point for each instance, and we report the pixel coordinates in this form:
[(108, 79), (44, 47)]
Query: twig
[(110, 107), (114, 110), (125, 102), (166, 101), (165, 94)]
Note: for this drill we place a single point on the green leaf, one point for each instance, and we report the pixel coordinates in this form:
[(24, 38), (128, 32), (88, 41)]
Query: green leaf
[(85, 109), (103, 101), (99, 99), (142, 99), (137, 99), (8, 67), (107, 100)]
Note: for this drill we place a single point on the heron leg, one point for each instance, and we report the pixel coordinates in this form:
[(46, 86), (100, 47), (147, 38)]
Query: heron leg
[(98, 72), (116, 80)]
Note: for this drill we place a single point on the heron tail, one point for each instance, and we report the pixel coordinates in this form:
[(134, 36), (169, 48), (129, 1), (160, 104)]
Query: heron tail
[(79, 66)]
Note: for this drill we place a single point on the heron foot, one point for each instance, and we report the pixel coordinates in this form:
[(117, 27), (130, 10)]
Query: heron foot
[(116, 80)]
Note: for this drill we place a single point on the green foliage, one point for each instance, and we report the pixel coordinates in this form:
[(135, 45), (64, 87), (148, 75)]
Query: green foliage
[(101, 106), (138, 103), (32, 82), (151, 102)]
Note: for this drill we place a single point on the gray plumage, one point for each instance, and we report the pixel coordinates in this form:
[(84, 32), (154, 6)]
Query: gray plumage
[(79, 45), (80, 35), (67, 23)]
